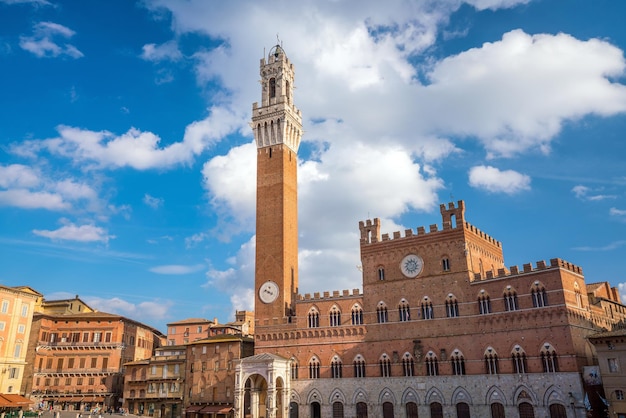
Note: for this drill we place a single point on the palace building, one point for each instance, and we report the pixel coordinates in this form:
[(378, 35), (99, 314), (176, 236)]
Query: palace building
[(442, 327)]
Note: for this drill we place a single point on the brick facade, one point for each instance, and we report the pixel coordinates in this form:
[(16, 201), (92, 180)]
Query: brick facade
[(441, 328)]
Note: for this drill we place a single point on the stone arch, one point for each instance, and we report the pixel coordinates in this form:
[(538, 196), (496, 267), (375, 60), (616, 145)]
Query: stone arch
[(359, 396), (314, 396), (460, 394), (495, 394), (386, 395), (553, 395), (337, 396), (523, 394), (434, 395), (295, 396), (410, 395)]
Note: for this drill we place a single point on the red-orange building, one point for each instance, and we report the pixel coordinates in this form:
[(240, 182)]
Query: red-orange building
[(76, 355), (442, 326)]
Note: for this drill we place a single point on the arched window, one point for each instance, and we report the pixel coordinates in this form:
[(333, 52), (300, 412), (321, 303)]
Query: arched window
[(336, 367), (272, 88), (539, 295), (411, 410), (293, 409), (432, 365), (519, 360), (549, 359), (484, 303), (436, 410), (359, 366), (288, 91), (335, 316), (404, 312), (491, 361), (337, 410), (462, 410), (458, 363), (314, 368), (361, 410), (526, 410), (314, 318), (557, 411), (452, 306), (357, 315), (408, 365), (294, 368), (497, 410), (427, 309), (510, 299), (579, 297), (385, 366), (381, 273), (381, 312), (387, 410)]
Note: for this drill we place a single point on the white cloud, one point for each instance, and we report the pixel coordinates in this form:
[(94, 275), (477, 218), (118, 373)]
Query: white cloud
[(146, 311), (494, 180), (174, 269), (26, 199), (43, 42), (136, 149), (18, 175), (72, 232), (617, 212), (585, 193), (153, 202), (167, 51)]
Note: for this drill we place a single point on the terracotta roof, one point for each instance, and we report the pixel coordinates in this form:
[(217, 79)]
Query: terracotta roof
[(191, 321)]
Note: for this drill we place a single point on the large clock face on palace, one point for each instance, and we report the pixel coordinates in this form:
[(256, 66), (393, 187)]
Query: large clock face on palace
[(411, 265), (268, 292)]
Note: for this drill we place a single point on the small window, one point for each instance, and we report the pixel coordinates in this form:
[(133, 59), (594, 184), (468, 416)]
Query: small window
[(381, 273), (408, 365), (427, 309), (484, 303), (2, 325), (314, 318), (445, 264), (432, 365), (613, 365), (381, 313), (539, 295), (24, 311), (335, 317), (458, 363), (452, 307), (336, 368), (385, 366), (314, 368), (619, 395), (5, 306), (404, 312), (272, 88), (357, 315)]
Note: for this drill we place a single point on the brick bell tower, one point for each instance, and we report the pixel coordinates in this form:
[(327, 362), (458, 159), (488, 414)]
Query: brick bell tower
[(277, 126)]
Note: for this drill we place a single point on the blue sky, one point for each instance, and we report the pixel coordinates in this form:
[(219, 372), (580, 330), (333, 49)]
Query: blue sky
[(127, 167)]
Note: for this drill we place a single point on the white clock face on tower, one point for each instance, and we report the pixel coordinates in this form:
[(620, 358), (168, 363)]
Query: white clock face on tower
[(268, 292), (411, 265)]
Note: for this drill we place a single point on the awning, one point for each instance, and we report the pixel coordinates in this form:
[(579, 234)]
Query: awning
[(93, 398), (193, 408), (216, 409), (14, 400)]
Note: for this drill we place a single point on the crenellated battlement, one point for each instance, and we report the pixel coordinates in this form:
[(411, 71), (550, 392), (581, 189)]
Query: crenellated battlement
[(529, 268), (471, 228), (335, 294), (453, 217)]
